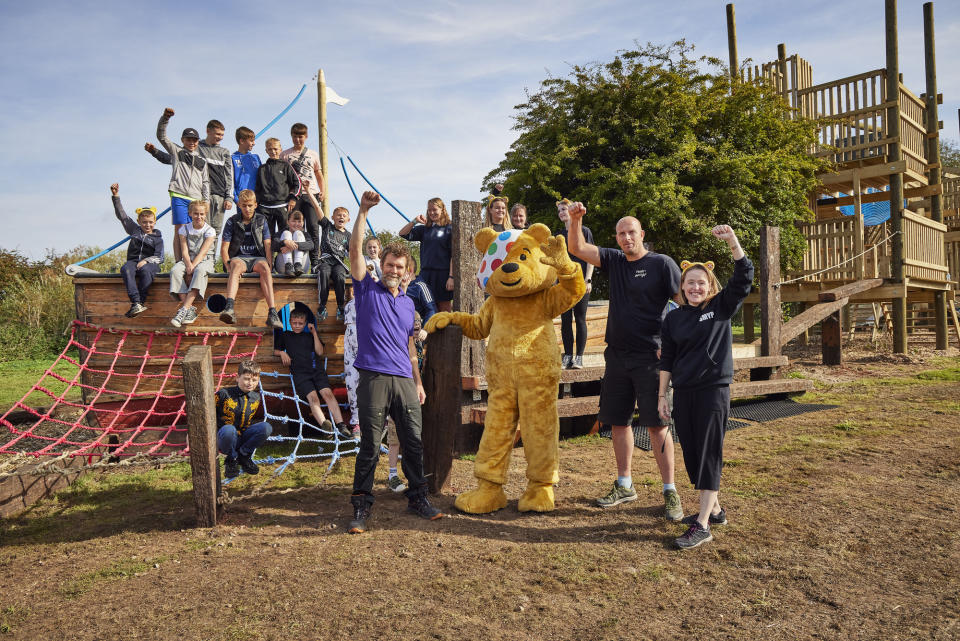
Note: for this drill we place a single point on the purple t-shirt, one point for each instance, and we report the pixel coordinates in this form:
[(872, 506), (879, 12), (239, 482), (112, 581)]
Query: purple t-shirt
[(384, 328)]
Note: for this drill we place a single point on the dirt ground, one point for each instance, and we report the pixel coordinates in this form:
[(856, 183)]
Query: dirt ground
[(843, 525)]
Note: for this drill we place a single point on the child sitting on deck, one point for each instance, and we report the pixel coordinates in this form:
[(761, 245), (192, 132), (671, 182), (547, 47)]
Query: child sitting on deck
[(299, 350), (144, 253), (238, 436), (197, 242), (245, 249), (293, 256), (334, 248)]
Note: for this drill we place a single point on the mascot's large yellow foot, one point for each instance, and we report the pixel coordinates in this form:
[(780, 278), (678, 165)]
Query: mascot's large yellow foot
[(537, 498), (488, 497)]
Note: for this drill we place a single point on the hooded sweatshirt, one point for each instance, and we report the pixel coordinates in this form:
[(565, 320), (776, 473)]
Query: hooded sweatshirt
[(189, 176)]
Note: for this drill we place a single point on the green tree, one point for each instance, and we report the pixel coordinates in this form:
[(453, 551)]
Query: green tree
[(949, 153), (659, 135)]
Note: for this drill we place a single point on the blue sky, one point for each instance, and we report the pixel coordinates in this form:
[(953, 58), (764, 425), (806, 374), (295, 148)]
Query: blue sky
[(432, 85)]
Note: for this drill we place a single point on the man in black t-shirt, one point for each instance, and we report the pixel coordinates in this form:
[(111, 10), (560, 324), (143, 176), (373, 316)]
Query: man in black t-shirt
[(641, 283)]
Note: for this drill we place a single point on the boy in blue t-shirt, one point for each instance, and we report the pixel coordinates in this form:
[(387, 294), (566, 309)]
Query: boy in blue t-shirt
[(246, 164)]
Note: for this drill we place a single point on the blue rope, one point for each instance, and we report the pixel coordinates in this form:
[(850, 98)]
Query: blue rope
[(160, 215), (402, 215), (350, 185)]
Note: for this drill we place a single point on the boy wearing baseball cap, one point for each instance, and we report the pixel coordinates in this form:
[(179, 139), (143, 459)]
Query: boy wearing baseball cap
[(189, 176)]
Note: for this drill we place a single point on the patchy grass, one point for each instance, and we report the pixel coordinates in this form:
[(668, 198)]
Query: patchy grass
[(19, 376)]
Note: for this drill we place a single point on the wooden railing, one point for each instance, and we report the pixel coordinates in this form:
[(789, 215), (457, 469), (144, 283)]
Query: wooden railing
[(951, 202), (913, 131), (833, 250), (924, 255), (787, 77), (952, 249)]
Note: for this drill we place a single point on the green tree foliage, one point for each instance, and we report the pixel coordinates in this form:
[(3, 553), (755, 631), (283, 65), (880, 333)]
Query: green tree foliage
[(658, 134), (949, 153)]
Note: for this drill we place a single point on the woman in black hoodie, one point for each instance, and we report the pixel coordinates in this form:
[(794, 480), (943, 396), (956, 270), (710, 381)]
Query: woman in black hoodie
[(697, 355)]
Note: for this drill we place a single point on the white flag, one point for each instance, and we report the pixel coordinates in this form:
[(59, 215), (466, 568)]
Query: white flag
[(335, 98)]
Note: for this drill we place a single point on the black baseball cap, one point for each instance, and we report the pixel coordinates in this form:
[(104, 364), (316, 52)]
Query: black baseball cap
[(190, 132)]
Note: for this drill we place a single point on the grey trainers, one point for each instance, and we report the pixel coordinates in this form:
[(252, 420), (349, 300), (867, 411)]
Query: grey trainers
[(673, 509), (190, 316), (273, 319), (228, 316), (618, 495), (395, 484), (715, 519), (694, 536), (136, 309), (177, 319), (566, 361), (577, 362)]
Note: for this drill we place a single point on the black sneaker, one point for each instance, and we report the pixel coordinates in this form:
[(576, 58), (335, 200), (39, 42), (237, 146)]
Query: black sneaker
[(345, 432), (297, 269), (288, 270), (715, 519), (360, 517), (228, 316), (230, 468), (248, 465), (135, 310), (420, 505), (696, 535), (273, 319)]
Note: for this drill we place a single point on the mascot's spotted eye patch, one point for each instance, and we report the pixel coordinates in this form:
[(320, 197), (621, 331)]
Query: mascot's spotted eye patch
[(495, 254)]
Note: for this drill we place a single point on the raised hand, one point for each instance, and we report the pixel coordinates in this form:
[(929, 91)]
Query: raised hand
[(555, 255), (168, 112), (115, 188), (149, 147), (576, 210), (421, 219), (311, 328), (724, 233), (369, 199)]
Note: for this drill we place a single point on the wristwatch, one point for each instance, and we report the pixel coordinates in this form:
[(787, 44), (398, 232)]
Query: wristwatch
[(589, 280)]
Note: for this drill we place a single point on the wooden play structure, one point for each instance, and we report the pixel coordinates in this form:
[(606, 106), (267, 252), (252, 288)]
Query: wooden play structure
[(882, 142)]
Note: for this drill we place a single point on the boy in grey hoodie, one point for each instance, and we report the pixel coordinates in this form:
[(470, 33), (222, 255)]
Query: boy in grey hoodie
[(189, 176)]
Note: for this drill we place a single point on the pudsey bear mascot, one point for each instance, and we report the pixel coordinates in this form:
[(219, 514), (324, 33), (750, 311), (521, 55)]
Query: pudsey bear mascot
[(531, 280)]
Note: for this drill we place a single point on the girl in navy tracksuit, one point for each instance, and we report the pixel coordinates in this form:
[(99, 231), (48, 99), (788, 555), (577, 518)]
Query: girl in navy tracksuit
[(697, 355)]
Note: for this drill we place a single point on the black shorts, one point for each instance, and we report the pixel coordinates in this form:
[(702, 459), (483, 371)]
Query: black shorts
[(436, 280), (304, 383), (630, 381)]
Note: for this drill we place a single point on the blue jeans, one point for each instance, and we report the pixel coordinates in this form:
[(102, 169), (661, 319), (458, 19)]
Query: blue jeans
[(138, 281), (244, 445)]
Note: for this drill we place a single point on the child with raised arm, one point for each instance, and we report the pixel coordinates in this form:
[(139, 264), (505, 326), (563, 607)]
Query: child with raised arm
[(299, 351), (246, 249), (697, 356), (334, 249), (238, 437), (246, 164), (278, 187), (197, 241), (435, 235), (189, 175), (144, 252), (306, 162)]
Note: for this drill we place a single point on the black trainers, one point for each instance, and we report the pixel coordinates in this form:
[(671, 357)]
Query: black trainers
[(273, 319), (228, 316), (230, 468), (288, 270), (695, 536), (715, 519), (297, 269), (360, 517), (345, 432), (135, 310), (248, 465), (420, 505)]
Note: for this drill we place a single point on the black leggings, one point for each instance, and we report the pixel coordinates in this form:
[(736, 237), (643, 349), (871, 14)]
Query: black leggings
[(578, 312)]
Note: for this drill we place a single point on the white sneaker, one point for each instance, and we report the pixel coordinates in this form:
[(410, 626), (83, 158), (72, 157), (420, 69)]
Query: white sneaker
[(190, 316), (178, 319), (395, 484)]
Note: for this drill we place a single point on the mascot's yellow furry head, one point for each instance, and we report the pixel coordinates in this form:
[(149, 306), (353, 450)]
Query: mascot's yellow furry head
[(707, 267), (511, 265)]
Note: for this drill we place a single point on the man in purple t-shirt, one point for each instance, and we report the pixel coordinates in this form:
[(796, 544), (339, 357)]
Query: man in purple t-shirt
[(389, 377)]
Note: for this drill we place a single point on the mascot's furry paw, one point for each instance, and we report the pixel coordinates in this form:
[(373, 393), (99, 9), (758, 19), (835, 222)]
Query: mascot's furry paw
[(537, 498), (488, 497), (438, 321)]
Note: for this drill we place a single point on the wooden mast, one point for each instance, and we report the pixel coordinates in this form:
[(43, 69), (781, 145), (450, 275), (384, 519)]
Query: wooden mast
[(732, 42), (322, 117), (898, 303)]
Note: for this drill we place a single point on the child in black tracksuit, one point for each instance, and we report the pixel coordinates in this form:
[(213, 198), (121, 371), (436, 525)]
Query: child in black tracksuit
[(697, 355), (144, 253), (278, 188)]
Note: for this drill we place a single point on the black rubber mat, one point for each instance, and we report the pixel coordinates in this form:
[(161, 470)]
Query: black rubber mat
[(764, 411), (641, 437), (733, 424)]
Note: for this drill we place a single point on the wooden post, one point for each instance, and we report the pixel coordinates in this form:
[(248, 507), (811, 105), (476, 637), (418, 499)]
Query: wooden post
[(732, 43), (450, 357), (770, 313), (782, 84), (898, 305), (322, 143), (202, 432), (933, 158)]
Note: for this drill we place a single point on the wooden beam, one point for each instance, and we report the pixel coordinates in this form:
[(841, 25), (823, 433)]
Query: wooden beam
[(202, 430), (760, 361), (934, 175), (566, 407), (892, 168), (749, 389), (799, 323), (732, 42), (915, 192), (812, 295), (587, 374), (848, 290), (770, 312), (831, 339), (748, 322)]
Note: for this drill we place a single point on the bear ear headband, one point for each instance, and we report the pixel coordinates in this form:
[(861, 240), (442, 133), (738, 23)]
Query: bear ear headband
[(686, 265), (564, 201), (491, 198)]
